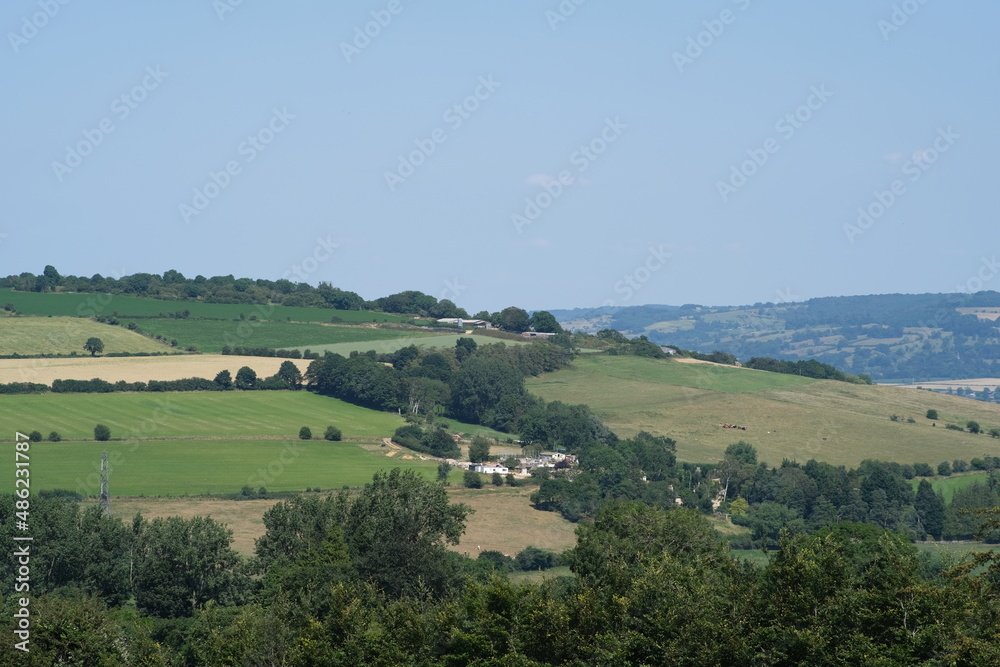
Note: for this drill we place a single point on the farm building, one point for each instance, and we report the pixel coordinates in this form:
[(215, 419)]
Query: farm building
[(461, 323)]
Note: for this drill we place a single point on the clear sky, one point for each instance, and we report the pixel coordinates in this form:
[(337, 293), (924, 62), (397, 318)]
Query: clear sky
[(539, 154)]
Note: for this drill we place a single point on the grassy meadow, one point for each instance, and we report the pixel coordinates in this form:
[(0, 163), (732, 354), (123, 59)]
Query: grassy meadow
[(948, 485), (89, 305), (213, 335), (207, 467), (786, 416), (65, 335)]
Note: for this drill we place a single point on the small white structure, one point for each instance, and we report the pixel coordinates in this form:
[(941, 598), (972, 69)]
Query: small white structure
[(490, 468)]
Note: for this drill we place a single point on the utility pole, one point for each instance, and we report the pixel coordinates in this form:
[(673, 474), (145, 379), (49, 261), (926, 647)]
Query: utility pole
[(105, 497)]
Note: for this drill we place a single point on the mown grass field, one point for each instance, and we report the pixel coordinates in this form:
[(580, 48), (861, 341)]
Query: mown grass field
[(213, 335), (948, 485), (89, 305), (137, 369), (229, 414), (438, 341), (65, 335), (195, 467), (786, 416)]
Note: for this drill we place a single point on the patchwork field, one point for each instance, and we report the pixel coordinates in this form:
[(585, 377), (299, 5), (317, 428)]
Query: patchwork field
[(786, 416), (428, 340), (199, 415), (89, 305), (190, 467), (213, 335), (64, 335), (136, 369)]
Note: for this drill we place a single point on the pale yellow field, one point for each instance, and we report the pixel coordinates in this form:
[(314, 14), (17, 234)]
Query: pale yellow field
[(983, 312), (63, 335), (136, 369), (503, 521)]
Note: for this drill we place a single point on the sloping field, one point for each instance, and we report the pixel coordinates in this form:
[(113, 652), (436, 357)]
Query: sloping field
[(428, 340), (89, 305), (136, 369), (206, 467), (213, 335), (63, 335), (229, 414), (786, 416)]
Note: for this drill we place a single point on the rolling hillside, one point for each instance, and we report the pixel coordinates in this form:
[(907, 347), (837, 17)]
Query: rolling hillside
[(785, 416), (66, 335)]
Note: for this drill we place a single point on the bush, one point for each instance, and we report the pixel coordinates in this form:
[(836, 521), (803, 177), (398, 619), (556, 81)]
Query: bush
[(54, 437), (894, 418), (102, 433), (995, 432), (35, 436), (333, 434), (305, 433), (973, 427), (958, 465), (953, 427), (472, 480), (497, 479), (923, 470), (932, 414), (944, 468), (511, 480)]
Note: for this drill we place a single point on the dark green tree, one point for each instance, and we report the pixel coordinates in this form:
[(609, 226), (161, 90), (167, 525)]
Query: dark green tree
[(973, 427), (290, 374), (246, 379), (305, 433), (472, 480), (224, 379), (479, 449), (930, 509), (544, 322), (94, 345), (932, 414), (333, 434), (513, 319), (102, 433)]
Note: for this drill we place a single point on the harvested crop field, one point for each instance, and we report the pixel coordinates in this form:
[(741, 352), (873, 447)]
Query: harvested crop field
[(136, 369), (505, 521)]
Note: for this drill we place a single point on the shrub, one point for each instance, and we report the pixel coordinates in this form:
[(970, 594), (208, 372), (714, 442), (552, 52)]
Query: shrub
[(497, 479), (247, 492), (995, 432), (305, 433), (333, 434), (973, 427), (932, 414), (102, 433), (894, 418), (958, 465), (35, 436), (511, 480), (923, 470), (953, 427), (911, 420), (978, 464), (472, 480), (54, 437), (944, 468)]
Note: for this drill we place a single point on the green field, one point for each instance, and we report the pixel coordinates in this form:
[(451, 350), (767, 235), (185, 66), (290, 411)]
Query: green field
[(948, 485), (63, 335), (786, 416), (90, 305), (205, 467), (229, 414), (438, 341), (212, 335)]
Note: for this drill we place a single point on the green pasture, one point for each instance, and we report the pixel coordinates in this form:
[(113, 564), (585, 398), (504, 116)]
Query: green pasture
[(948, 485), (223, 414), (212, 335), (179, 467), (89, 305)]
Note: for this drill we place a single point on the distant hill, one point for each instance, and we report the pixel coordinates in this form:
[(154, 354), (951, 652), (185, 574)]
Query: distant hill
[(889, 336)]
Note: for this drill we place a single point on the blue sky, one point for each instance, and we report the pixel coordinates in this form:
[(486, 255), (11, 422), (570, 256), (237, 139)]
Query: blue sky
[(540, 154)]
